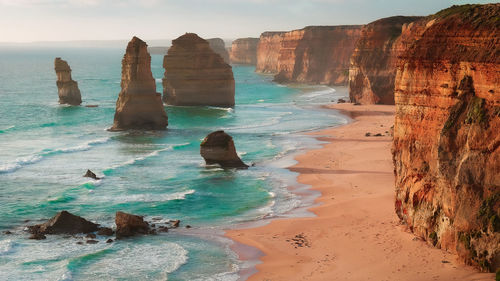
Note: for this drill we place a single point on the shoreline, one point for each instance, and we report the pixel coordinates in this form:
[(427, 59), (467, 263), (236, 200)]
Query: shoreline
[(355, 234)]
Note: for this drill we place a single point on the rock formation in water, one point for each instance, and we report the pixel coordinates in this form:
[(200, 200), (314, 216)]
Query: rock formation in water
[(373, 64), (92, 175), (139, 106), (219, 47), (446, 135), (67, 88), (244, 51), (315, 54), (196, 75), (218, 148), (128, 225), (268, 51), (63, 223)]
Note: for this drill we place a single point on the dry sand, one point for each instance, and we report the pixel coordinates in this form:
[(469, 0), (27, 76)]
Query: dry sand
[(356, 234)]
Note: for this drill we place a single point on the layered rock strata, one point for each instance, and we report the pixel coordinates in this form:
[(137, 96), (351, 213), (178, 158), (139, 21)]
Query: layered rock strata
[(372, 68), (446, 136), (196, 75), (244, 51), (218, 148), (67, 88), (218, 45), (139, 106), (268, 51)]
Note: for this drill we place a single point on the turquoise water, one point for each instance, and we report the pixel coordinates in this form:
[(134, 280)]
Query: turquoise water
[(45, 148)]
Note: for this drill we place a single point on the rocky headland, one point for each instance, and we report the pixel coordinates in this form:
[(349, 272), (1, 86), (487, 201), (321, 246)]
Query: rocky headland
[(372, 68), (244, 51), (67, 88), (218, 45), (139, 106), (268, 51), (315, 54), (446, 136), (196, 75)]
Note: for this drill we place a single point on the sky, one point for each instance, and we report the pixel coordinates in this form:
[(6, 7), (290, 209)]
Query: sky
[(65, 20)]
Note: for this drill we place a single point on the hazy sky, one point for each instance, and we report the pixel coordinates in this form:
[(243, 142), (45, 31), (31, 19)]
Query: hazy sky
[(60, 20)]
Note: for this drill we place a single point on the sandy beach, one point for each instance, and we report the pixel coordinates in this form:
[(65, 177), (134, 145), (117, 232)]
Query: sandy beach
[(356, 234)]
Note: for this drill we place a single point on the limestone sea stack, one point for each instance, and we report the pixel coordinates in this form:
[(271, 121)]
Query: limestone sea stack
[(244, 51), (373, 64), (218, 45), (139, 106), (446, 147), (67, 88), (218, 148), (196, 75)]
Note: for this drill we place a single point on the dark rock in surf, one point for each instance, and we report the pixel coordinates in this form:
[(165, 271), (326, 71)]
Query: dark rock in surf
[(218, 148), (64, 223), (90, 174)]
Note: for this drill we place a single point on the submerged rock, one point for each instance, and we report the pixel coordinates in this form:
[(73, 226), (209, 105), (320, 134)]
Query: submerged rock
[(218, 148), (196, 75), (129, 225), (139, 106), (64, 223), (105, 231), (90, 174), (67, 88)]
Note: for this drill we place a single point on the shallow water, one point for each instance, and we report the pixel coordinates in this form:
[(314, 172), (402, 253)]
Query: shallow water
[(45, 148)]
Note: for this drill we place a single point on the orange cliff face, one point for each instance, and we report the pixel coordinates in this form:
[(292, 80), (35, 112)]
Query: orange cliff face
[(315, 54), (268, 51), (372, 68), (447, 132), (244, 51)]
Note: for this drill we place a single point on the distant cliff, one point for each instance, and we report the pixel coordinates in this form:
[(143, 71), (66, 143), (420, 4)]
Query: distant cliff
[(446, 136), (315, 54), (373, 64), (268, 51), (244, 51), (218, 45)]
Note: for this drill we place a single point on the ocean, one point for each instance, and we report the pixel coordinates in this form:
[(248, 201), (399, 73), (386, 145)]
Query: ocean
[(46, 148)]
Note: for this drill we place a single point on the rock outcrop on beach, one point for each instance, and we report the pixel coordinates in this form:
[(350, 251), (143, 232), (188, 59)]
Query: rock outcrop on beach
[(373, 64), (139, 106), (218, 45), (196, 75), (244, 51), (218, 148), (315, 54), (67, 88), (64, 223), (128, 225), (446, 136), (268, 51)]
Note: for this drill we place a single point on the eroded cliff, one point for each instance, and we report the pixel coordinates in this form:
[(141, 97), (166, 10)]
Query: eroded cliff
[(218, 45), (244, 51), (196, 75), (268, 51), (446, 135), (373, 64), (315, 54), (139, 106), (67, 88)]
